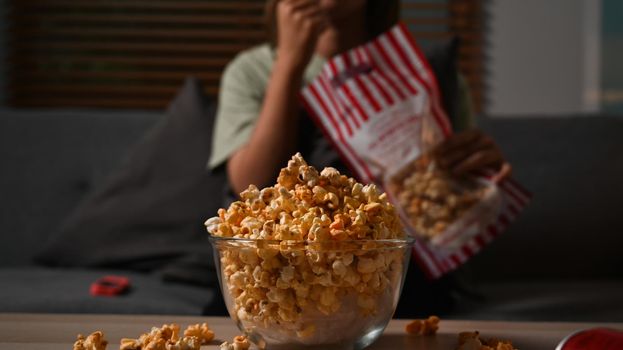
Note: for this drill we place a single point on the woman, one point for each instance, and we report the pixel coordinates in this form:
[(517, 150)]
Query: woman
[(260, 123)]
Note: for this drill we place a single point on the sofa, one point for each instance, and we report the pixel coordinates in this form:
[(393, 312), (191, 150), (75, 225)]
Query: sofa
[(560, 261), (87, 194), (52, 160)]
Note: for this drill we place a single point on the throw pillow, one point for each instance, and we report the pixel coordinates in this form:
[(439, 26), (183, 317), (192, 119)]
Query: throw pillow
[(150, 213)]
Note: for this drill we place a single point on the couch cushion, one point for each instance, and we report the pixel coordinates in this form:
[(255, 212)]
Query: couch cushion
[(572, 228), (67, 291), (50, 161), (151, 210), (570, 301)]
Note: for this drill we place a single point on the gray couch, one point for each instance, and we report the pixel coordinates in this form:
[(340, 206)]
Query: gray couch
[(50, 162), (560, 261), (563, 258)]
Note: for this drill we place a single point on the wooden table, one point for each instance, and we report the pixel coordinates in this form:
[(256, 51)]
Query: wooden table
[(58, 331)]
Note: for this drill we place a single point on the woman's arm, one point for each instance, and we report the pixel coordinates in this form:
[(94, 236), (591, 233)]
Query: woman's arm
[(274, 137)]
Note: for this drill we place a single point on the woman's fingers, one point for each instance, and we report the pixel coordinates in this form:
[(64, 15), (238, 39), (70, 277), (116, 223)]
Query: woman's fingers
[(505, 172), (470, 151), (459, 140), (317, 18), (301, 9), (450, 158), (298, 4), (311, 12), (299, 23), (478, 161)]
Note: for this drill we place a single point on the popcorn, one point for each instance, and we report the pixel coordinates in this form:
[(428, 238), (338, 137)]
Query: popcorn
[(431, 198), (428, 326), (295, 209), (201, 332), (95, 341), (292, 269), (166, 338), (472, 341), (240, 343)]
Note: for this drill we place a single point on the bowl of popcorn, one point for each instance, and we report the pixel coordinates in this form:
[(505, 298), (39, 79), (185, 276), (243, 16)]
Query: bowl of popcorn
[(315, 261)]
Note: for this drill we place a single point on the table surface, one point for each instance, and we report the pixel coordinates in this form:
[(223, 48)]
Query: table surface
[(58, 331)]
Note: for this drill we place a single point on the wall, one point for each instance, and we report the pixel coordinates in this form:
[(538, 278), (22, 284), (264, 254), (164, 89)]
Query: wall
[(543, 57)]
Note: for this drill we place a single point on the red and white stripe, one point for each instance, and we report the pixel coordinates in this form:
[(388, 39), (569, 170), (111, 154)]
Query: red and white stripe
[(316, 101), (385, 97), (413, 58), (398, 72), (351, 110)]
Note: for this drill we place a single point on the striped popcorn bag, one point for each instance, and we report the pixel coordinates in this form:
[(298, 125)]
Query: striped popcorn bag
[(379, 105)]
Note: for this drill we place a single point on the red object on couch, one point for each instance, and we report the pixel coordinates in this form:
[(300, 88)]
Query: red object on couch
[(110, 286)]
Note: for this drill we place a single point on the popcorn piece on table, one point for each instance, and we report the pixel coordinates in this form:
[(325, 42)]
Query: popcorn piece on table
[(275, 284), (428, 326), (240, 343), (472, 341), (164, 338), (95, 341), (201, 331)]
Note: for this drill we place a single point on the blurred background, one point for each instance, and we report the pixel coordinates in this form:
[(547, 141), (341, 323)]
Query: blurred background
[(529, 57), (103, 147)]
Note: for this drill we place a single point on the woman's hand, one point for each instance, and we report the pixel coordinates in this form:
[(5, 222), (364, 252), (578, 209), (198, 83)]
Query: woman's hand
[(470, 151), (299, 23)]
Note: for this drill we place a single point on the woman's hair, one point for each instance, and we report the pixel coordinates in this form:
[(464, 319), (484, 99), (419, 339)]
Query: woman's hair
[(380, 16)]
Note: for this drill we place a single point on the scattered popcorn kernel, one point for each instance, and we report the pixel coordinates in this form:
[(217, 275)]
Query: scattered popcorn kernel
[(428, 326), (164, 338), (240, 343), (473, 341), (95, 341), (201, 332)]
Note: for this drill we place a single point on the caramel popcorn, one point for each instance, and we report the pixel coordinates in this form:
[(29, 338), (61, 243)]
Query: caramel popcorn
[(307, 205), (292, 268), (201, 332), (431, 198), (240, 343), (472, 341), (95, 341), (164, 338), (428, 326)]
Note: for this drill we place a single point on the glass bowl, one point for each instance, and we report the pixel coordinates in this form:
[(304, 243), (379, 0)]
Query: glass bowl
[(311, 295)]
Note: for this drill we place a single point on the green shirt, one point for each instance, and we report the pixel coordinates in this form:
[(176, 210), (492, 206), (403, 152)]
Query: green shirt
[(241, 95)]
